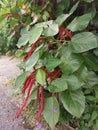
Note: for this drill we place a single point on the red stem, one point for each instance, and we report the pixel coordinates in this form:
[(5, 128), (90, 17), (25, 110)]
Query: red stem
[(42, 104), (26, 99)]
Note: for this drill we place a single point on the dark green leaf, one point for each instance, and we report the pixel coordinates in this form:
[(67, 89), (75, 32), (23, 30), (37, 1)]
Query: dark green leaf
[(73, 102), (73, 82), (91, 61), (83, 42), (49, 114), (58, 85), (71, 62), (52, 63), (92, 80)]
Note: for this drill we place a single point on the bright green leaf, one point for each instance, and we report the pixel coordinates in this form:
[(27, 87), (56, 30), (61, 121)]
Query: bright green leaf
[(51, 111), (83, 42), (74, 8), (80, 23), (32, 60), (73, 102), (35, 33), (41, 76), (60, 19), (24, 37), (20, 80), (88, 1)]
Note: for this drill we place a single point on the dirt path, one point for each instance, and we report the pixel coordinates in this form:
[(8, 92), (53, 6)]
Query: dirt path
[(8, 106)]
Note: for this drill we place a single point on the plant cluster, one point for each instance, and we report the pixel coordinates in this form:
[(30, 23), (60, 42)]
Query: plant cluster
[(59, 45)]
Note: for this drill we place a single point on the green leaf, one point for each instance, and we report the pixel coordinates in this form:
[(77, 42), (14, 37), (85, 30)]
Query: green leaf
[(41, 76), (35, 33), (52, 63), (92, 80), (88, 1), (20, 80), (82, 74), (51, 104), (19, 53), (32, 60), (71, 62), (58, 85), (83, 42), (74, 8), (73, 82), (79, 23), (73, 102), (24, 37), (91, 61), (60, 19), (52, 30), (94, 115)]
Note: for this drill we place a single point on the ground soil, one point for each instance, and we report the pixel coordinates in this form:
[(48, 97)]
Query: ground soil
[(8, 102)]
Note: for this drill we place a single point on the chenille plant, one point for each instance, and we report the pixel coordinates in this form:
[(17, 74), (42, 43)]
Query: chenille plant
[(59, 45)]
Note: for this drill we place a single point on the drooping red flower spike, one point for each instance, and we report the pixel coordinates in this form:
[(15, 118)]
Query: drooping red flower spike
[(26, 99), (42, 103), (63, 31)]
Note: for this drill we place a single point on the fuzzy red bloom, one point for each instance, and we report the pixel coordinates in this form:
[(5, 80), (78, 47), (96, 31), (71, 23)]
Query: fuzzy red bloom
[(42, 104), (26, 99)]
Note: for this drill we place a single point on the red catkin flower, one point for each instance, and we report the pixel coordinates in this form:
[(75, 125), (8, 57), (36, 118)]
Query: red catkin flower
[(26, 99), (62, 32), (43, 3), (27, 81), (33, 48), (42, 104)]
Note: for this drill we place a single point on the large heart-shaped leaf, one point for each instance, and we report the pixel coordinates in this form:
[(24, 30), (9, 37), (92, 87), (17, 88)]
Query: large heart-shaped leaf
[(41, 76), (73, 82), (24, 37), (58, 85), (71, 62), (51, 111), (35, 33), (83, 42), (80, 23), (52, 63), (73, 102)]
